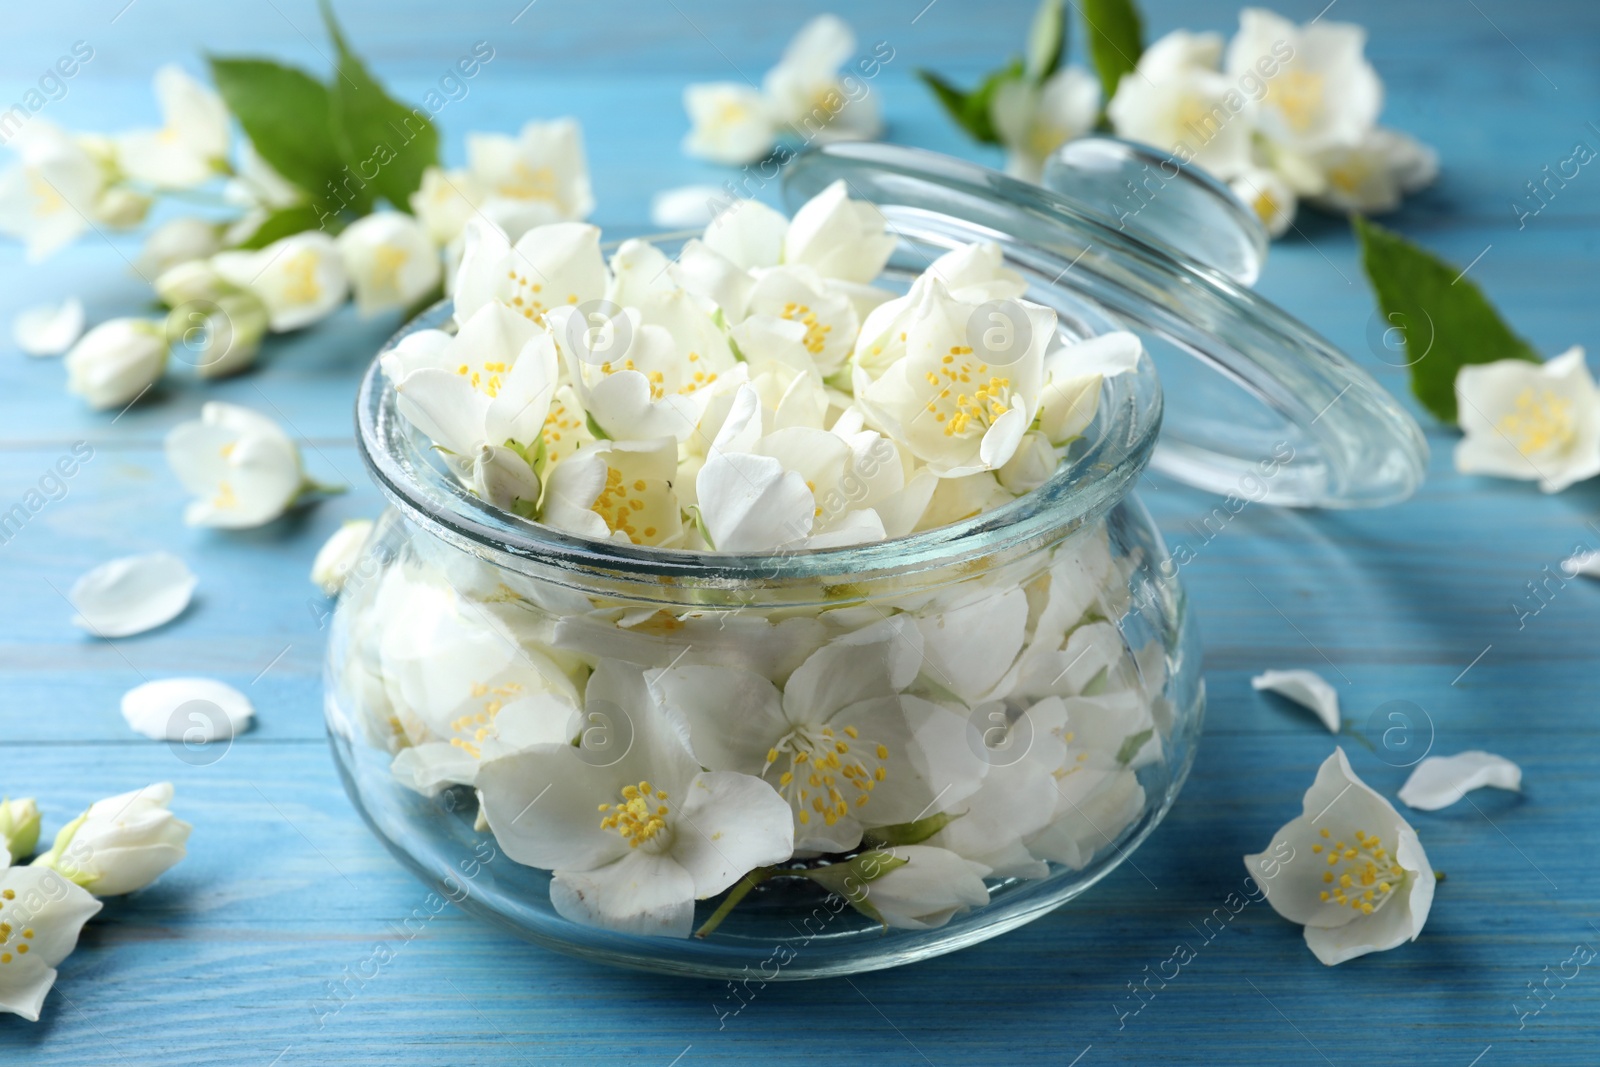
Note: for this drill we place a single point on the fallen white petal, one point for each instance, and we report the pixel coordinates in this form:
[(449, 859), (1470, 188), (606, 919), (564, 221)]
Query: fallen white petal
[(192, 710), (48, 329), (132, 594), (1306, 688), (688, 207), (1440, 781)]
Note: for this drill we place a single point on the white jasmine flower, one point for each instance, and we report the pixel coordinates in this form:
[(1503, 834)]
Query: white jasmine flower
[(839, 743), (120, 844), (19, 829), (944, 401), (1530, 420), (465, 688), (192, 145), (621, 490), (489, 384), (113, 364), (192, 710), (1371, 174), (1440, 781), (339, 555), (1349, 869), (51, 195), (807, 93), (797, 293), (542, 170), (1033, 120), (911, 887), (133, 594), (301, 279), (390, 261), (748, 502), (1324, 93), (445, 201), (48, 329), (242, 468), (839, 237), (1266, 193), (40, 916), (729, 123), (634, 842), (1177, 101), (502, 477), (1306, 688), (176, 241), (1074, 374), (548, 267), (749, 233)]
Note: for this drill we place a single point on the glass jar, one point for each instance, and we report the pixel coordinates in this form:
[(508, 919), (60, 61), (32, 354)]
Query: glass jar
[(965, 727)]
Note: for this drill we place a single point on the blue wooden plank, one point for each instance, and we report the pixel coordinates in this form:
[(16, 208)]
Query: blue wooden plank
[(263, 946)]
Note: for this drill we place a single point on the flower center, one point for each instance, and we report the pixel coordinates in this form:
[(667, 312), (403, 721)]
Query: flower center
[(300, 274), (1538, 420), (525, 297), (816, 332), (828, 771), (961, 412), (386, 263), (641, 816), (486, 380), (1362, 876), (559, 421), (528, 183), (1266, 206), (620, 503), (479, 725), (46, 201), (1298, 95), (10, 944)]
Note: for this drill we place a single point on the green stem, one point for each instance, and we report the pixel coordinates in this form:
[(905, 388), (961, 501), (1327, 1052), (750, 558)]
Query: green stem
[(736, 894)]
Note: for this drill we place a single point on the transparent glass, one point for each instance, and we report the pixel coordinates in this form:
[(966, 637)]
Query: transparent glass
[(1064, 739)]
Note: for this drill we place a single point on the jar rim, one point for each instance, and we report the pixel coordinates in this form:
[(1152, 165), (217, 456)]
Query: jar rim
[(1117, 446)]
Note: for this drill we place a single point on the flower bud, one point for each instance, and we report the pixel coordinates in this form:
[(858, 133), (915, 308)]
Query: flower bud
[(19, 827), (115, 362), (121, 843)]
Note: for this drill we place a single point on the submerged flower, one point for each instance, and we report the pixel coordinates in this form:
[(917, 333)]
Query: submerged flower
[(1349, 869), (1530, 420), (242, 468), (41, 913), (121, 843), (340, 554), (633, 840), (840, 744)]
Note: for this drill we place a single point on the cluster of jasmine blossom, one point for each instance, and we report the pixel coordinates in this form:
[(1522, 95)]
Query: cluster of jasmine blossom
[(118, 845), (756, 393)]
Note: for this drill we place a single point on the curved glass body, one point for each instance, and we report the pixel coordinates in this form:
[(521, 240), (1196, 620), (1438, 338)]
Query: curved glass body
[(1026, 716)]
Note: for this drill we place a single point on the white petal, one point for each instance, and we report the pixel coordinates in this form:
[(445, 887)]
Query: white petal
[(191, 710), (687, 206), (642, 893), (729, 825), (1306, 688), (751, 504), (49, 329), (132, 594), (60, 912), (1440, 781)]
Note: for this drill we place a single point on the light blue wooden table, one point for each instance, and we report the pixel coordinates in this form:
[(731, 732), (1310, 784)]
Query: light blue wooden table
[(264, 946)]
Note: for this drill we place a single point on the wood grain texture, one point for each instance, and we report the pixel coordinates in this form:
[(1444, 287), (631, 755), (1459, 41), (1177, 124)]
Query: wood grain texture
[(264, 946)]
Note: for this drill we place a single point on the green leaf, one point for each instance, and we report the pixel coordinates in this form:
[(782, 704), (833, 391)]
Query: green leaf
[(287, 114), (1116, 40), (595, 428), (971, 110), (1443, 318), (1133, 743), (284, 222), (385, 143), (911, 833), (1047, 40)]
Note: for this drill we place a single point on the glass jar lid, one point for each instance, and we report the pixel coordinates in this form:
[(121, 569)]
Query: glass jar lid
[(1248, 388)]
